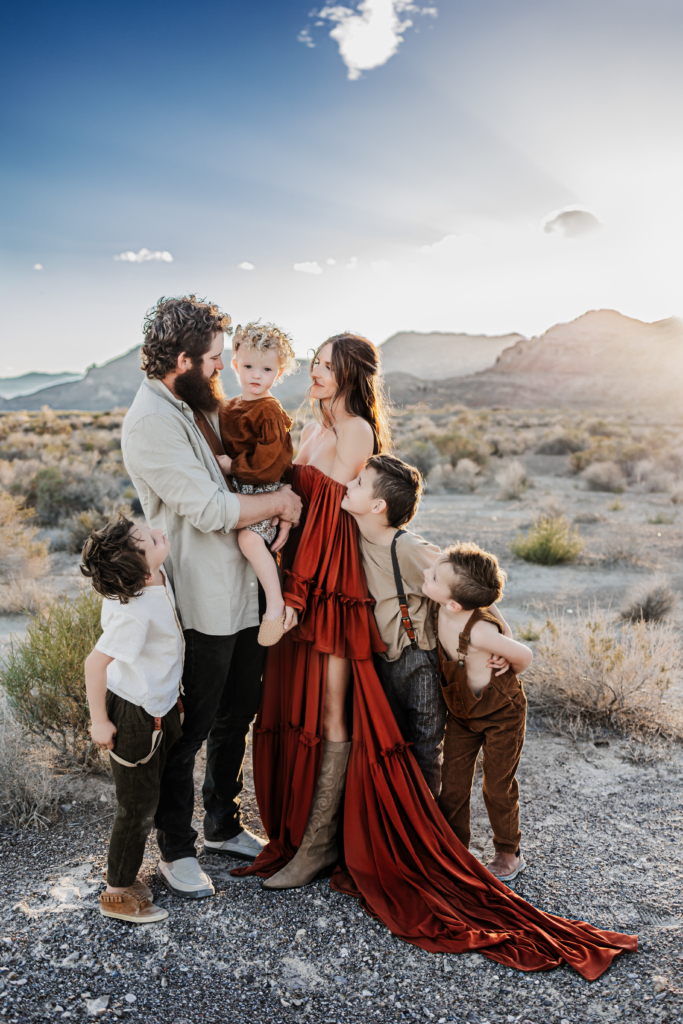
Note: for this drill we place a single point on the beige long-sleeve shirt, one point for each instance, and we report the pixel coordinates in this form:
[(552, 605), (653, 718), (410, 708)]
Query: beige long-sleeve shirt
[(415, 554), (183, 492)]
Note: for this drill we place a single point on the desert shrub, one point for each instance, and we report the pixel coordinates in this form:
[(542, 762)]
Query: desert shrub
[(43, 675), (656, 480), (591, 673), (550, 540), (603, 428), (588, 517), (560, 441), (46, 495), (505, 445), (512, 480), (421, 454), (27, 795), (23, 560), (458, 445), (624, 545), (604, 476), (650, 601), (529, 632), (462, 479), (662, 518), (81, 525)]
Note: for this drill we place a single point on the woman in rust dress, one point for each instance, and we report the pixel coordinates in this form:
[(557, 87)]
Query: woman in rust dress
[(389, 844)]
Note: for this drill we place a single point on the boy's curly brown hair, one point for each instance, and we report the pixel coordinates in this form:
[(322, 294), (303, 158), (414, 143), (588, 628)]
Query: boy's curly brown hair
[(115, 566), (478, 579), (186, 324)]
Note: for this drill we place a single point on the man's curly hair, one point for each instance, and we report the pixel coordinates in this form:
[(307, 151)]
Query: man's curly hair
[(187, 324), (264, 338), (111, 560)]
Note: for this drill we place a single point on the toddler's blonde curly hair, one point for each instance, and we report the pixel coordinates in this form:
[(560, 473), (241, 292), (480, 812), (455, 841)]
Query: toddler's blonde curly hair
[(265, 337)]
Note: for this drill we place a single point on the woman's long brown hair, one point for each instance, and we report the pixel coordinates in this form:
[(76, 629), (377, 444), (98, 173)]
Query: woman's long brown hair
[(355, 365)]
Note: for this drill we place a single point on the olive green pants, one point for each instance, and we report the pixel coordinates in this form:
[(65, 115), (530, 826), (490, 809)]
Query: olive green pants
[(137, 789)]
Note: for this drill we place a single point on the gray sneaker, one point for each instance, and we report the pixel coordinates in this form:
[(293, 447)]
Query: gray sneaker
[(245, 845), (185, 878)]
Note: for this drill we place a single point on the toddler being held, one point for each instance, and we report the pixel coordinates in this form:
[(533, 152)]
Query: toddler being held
[(255, 434)]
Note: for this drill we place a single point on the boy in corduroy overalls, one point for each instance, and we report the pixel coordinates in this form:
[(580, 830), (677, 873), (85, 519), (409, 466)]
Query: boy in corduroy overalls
[(486, 704)]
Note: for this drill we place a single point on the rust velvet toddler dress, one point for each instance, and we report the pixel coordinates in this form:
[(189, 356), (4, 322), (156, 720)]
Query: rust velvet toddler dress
[(400, 858)]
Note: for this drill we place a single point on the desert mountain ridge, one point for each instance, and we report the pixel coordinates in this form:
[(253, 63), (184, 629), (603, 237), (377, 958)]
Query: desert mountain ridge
[(602, 358)]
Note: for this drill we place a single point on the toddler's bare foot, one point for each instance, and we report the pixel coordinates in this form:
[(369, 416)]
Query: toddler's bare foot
[(274, 610), (506, 866)]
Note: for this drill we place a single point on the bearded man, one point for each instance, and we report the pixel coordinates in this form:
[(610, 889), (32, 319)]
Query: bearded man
[(170, 442)]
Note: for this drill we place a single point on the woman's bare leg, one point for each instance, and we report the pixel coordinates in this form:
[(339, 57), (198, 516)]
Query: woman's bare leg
[(334, 717)]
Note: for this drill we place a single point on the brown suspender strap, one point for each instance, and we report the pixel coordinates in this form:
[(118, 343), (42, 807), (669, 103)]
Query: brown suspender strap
[(156, 740), (212, 439), (402, 599)]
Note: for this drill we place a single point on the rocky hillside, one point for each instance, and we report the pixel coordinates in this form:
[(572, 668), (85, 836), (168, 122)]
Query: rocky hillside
[(442, 356), (601, 359)]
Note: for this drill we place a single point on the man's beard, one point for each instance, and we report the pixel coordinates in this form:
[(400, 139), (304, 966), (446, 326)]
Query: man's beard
[(200, 392)]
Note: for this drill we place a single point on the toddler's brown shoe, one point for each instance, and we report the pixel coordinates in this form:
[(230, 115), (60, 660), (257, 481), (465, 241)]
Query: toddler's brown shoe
[(139, 886), (271, 631), (131, 906)]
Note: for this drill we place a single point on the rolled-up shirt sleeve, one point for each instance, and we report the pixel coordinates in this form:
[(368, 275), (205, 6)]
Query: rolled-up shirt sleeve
[(159, 453)]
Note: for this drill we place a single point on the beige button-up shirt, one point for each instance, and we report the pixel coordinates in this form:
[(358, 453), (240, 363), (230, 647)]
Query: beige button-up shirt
[(183, 492)]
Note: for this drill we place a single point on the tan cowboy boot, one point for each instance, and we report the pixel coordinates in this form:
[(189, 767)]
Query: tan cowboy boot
[(319, 845)]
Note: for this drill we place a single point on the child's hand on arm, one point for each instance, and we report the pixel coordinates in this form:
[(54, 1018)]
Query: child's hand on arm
[(102, 729), (282, 535), (225, 462), (291, 618)]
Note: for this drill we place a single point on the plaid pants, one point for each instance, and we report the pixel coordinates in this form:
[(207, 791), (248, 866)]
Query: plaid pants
[(412, 687)]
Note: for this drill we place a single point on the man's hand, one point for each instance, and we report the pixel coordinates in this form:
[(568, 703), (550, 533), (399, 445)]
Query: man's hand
[(225, 462), (291, 618), (499, 662), (103, 733), (290, 508), (282, 535)]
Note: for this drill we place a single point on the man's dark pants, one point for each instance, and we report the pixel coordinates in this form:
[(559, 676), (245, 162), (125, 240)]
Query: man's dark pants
[(222, 683)]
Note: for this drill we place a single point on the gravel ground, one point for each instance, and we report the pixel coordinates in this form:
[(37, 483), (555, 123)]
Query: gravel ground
[(602, 839)]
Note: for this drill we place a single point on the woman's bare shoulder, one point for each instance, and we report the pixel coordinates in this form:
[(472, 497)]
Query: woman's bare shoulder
[(356, 429)]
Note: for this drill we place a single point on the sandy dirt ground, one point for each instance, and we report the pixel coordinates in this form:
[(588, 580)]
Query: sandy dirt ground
[(602, 838)]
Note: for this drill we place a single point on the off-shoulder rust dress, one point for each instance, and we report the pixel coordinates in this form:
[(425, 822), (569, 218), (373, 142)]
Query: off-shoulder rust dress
[(400, 858)]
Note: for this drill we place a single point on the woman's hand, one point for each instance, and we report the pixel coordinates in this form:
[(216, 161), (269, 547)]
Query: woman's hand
[(103, 733), (291, 618), (225, 462)]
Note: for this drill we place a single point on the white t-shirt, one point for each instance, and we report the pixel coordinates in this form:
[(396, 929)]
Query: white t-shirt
[(146, 642)]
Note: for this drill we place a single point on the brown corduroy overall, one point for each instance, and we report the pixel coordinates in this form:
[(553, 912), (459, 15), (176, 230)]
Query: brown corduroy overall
[(496, 720)]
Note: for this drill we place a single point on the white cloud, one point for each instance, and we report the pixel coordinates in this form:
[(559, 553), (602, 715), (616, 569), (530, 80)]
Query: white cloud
[(330, 262), (37, 266), (352, 264), (369, 35), (305, 38), (309, 268), (245, 266), (144, 255), (572, 222)]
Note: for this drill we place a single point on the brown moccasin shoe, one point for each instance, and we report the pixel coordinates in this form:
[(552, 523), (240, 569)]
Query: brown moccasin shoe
[(139, 886), (131, 906), (271, 631)]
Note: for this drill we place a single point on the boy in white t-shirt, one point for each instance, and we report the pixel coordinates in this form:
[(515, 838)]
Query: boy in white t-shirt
[(132, 679)]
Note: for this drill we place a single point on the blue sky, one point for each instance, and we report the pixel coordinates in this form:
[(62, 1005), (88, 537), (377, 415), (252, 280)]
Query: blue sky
[(425, 159)]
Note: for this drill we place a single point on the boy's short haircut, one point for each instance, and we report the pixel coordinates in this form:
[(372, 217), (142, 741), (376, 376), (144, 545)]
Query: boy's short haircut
[(266, 338), (116, 567), (399, 484), (478, 580), (187, 324)]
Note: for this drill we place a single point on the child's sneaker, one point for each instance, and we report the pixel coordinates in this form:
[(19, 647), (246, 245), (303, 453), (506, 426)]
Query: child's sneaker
[(132, 906)]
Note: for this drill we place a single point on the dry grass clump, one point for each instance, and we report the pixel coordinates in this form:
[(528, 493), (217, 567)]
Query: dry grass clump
[(593, 673), (43, 675), (513, 481), (462, 479), (23, 560), (604, 476), (27, 793), (562, 441), (650, 601), (550, 540)]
